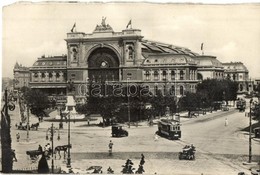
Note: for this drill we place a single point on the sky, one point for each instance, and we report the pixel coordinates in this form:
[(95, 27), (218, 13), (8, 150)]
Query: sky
[(231, 32)]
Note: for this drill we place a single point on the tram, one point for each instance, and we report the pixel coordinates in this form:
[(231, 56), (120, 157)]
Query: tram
[(241, 105), (169, 128)]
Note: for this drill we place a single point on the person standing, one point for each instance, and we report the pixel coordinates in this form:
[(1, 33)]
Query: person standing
[(110, 146), (226, 122), (14, 155), (40, 148)]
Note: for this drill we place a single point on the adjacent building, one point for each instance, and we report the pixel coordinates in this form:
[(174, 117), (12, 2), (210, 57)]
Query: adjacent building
[(21, 76), (238, 72)]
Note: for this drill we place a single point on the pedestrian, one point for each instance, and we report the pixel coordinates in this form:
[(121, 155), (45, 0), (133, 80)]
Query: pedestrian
[(45, 148), (110, 146), (156, 137), (13, 155), (18, 137), (40, 148), (48, 147), (61, 125), (226, 122)]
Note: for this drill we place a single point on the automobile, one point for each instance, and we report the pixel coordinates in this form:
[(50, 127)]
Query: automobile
[(225, 108), (188, 153), (118, 131)]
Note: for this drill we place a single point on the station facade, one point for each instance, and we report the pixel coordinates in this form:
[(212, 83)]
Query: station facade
[(125, 57)]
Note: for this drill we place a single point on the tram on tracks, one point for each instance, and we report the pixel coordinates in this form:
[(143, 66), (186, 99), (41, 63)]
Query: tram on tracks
[(169, 128)]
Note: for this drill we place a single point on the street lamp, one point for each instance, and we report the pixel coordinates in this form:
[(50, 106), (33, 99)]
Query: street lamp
[(128, 101), (51, 131), (175, 91), (250, 131), (28, 121), (70, 105)]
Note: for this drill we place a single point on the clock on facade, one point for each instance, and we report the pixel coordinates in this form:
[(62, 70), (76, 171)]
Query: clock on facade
[(104, 64)]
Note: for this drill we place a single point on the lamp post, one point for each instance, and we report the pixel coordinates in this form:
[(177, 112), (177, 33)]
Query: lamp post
[(28, 125), (51, 131), (128, 105), (70, 104), (250, 131), (175, 84)]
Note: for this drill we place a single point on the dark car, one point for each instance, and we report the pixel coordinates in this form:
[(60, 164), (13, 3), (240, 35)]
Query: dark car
[(117, 131)]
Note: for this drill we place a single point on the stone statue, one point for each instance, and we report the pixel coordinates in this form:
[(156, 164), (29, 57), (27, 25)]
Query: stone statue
[(103, 23)]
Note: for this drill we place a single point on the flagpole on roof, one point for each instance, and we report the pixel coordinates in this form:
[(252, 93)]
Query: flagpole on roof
[(73, 29), (201, 48), (129, 24)]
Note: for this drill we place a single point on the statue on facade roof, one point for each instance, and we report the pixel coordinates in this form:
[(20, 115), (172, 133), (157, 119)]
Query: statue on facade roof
[(103, 26), (103, 23)]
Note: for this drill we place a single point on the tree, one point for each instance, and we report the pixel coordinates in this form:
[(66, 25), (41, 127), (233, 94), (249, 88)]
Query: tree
[(218, 90), (190, 102), (7, 159), (37, 100)]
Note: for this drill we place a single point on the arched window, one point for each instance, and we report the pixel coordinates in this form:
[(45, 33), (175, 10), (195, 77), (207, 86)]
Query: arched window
[(181, 75), (228, 76), (50, 76), (241, 87), (43, 76), (156, 75), (172, 90), (181, 90), (234, 76), (172, 75), (164, 75), (147, 75)]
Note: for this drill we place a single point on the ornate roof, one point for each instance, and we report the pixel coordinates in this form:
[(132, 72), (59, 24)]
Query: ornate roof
[(20, 67), (51, 62), (208, 61), (157, 47), (235, 66)]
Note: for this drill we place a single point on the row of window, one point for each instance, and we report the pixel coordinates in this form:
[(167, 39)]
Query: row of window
[(174, 75)]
